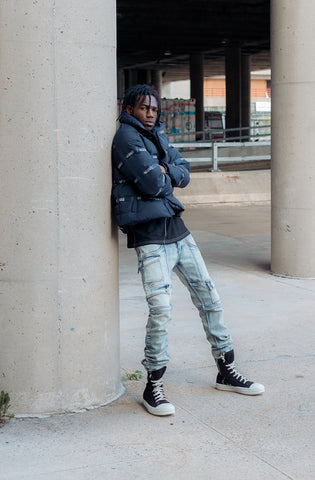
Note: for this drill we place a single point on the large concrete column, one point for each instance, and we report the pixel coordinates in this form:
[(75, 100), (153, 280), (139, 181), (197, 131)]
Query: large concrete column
[(196, 87), (233, 89), (293, 165), (59, 342)]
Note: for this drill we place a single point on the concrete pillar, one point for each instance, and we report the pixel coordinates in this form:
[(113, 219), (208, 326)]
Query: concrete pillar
[(156, 80), (245, 95), (131, 77), (120, 83), (126, 78), (293, 165), (233, 89), (59, 342), (196, 87), (144, 76)]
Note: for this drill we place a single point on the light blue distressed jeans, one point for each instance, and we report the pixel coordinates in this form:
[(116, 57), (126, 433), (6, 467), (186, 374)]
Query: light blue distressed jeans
[(156, 263)]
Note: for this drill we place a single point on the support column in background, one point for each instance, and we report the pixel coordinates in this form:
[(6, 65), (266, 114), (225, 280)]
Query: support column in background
[(120, 83), (245, 96), (293, 165), (233, 89), (59, 342), (196, 87), (131, 77), (156, 80), (144, 76)]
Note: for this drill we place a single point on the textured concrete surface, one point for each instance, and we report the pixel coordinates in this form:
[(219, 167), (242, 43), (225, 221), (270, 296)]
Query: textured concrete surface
[(293, 166), (59, 257), (251, 186), (213, 434)]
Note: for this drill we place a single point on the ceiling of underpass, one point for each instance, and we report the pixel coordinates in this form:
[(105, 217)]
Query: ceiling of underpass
[(162, 35)]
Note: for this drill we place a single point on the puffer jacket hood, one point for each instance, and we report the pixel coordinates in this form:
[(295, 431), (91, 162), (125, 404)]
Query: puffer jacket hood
[(134, 122)]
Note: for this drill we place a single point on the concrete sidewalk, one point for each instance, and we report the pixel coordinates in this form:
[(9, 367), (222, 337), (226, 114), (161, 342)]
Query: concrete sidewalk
[(213, 434)]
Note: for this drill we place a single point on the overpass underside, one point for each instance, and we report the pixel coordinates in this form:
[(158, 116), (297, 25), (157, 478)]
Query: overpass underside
[(167, 41)]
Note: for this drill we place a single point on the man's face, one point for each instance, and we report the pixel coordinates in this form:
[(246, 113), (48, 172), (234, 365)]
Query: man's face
[(145, 110)]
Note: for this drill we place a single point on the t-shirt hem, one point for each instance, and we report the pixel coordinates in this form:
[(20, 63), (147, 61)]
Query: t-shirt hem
[(161, 242)]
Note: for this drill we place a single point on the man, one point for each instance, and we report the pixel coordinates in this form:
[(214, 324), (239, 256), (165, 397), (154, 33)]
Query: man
[(146, 169)]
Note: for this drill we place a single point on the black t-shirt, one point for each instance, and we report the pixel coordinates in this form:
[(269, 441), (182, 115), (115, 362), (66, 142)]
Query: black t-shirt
[(160, 231)]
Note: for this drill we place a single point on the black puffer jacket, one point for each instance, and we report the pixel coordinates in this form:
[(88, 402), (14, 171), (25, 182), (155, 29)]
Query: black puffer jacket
[(141, 191)]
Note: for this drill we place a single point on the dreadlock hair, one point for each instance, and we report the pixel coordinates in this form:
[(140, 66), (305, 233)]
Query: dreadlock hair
[(139, 92)]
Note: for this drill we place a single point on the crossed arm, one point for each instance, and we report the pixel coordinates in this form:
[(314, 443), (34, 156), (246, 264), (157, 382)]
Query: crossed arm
[(148, 176)]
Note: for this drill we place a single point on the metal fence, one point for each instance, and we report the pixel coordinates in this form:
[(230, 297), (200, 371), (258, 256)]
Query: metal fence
[(216, 147), (252, 133)]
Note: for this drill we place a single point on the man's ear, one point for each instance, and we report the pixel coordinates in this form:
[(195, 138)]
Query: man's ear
[(129, 109)]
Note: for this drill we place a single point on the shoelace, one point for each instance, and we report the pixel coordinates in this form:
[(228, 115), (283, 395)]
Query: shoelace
[(232, 370), (157, 390)]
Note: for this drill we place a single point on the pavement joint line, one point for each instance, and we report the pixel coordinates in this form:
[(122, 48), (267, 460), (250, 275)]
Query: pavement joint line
[(249, 361), (269, 274), (246, 450), (264, 273), (278, 357), (296, 286)]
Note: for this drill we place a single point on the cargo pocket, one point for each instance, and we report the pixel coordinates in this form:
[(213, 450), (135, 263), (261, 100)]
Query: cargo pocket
[(149, 263), (215, 298)]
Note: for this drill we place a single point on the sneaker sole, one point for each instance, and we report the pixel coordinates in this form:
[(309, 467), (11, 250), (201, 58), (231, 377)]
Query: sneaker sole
[(160, 411), (258, 390)]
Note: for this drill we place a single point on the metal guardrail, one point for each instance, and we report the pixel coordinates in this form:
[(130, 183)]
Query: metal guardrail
[(215, 144), (214, 159), (236, 159), (253, 133)]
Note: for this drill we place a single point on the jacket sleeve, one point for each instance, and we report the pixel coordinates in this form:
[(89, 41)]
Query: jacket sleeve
[(177, 167), (138, 166)]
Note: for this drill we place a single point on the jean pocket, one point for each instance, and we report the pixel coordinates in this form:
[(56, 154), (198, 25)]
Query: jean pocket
[(149, 261), (146, 251)]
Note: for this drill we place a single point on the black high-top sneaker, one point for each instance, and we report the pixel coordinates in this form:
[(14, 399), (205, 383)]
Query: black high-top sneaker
[(154, 397), (231, 380)]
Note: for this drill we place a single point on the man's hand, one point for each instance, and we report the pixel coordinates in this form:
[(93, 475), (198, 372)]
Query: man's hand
[(162, 168)]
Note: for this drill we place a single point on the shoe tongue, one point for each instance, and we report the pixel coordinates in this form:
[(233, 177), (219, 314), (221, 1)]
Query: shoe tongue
[(229, 357), (157, 374)]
